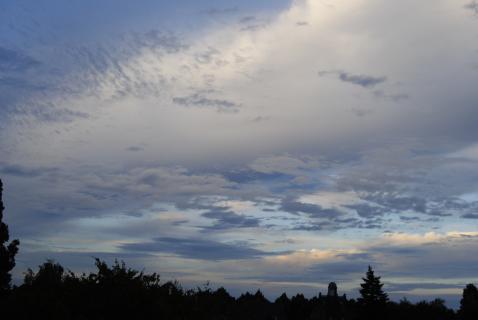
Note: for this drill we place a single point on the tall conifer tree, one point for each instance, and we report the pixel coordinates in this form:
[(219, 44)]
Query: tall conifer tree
[(372, 293), (373, 300)]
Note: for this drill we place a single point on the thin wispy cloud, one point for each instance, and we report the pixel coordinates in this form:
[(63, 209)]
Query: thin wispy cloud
[(362, 80)]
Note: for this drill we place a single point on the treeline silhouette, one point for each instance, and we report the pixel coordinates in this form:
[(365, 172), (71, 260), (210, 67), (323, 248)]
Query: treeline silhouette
[(119, 292)]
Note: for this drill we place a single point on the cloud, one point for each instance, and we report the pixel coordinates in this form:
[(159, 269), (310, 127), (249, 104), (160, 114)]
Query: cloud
[(155, 39), (399, 203), (410, 286), (12, 61), (22, 171), (470, 216), (221, 11), (226, 219), (284, 164), (367, 211), (427, 238), (135, 148), (199, 100), (372, 153), (58, 115), (207, 56), (361, 80), (196, 249), (313, 210), (473, 6), (247, 19)]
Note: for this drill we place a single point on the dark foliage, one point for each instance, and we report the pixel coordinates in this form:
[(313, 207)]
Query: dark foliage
[(7, 251), (118, 292), (469, 303)]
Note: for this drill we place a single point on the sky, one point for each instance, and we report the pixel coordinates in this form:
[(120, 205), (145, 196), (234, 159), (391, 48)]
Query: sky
[(267, 144)]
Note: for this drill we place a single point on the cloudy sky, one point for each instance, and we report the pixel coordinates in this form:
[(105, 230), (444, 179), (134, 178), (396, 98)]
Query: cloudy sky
[(276, 144)]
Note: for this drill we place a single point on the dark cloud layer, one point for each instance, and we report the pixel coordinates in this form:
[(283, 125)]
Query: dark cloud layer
[(315, 211), (196, 249), (226, 219)]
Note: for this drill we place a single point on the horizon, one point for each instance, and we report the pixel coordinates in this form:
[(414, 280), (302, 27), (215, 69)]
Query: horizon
[(272, 145)]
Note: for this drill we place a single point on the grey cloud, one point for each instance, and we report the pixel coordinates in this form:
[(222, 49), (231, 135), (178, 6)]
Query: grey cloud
[(405, 218), (341, 269), (247, 175), (367, 211), (400, 203), (247, 19), (135, 148), (340, 223), (408, 286), (365, 81), (14, 61), (438, 213), (227, 219), (207, 56), (397, 97), (360, 112), (361, 80), (313, 210), (58, 115), (470, 216), (422, 260), (399, 250), (21, 84), (315, 226), (473, 6), (199, 100), (370, 224), (260, 119), (22, 171), (302, 23), (88, 193), (156, 39), (283, 164), (345, 268), (254, 27), (217, 11), (196, 249)]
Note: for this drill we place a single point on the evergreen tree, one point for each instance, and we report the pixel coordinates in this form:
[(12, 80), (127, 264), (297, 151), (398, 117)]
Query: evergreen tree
[(372, 293), (373, 300), (7, 251), (469, 303)]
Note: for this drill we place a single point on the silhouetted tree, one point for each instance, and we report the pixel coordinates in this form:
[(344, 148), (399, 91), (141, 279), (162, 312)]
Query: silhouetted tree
[(373, 299), (49, 275), (118, 292), (7, 251), (371, 292), (469, 303)]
